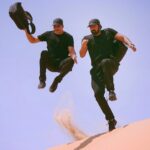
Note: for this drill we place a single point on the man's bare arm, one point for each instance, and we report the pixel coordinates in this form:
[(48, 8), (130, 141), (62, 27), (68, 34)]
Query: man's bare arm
[(125, 40), (31, 38), (83, 49)]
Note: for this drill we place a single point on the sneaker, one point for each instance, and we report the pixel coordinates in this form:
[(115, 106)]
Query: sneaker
[(112, 96), (41, 85), (55, 83), (112, 124)]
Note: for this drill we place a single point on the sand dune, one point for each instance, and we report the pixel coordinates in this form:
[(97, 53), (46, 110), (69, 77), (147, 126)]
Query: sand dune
[(135, 136)]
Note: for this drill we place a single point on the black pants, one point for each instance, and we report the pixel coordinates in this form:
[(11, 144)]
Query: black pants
[(102, 77), (54, 65)]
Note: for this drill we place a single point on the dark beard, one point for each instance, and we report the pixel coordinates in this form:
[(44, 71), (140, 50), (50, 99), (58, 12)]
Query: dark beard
[(94, 32)]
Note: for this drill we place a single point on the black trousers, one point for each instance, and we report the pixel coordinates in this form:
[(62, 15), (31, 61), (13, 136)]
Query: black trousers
[(102, 77), (54, 65)]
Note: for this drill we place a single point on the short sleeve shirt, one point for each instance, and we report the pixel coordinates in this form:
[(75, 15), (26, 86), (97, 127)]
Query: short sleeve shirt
[(102, 45), (57, 45)]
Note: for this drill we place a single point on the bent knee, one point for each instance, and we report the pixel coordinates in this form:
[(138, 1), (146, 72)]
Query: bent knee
[(44, 54), (69, 62), (105, 61)]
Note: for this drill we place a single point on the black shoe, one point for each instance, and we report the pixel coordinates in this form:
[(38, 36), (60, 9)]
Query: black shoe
[(112, 124), (41, 85), (55, 83), (112, 96)]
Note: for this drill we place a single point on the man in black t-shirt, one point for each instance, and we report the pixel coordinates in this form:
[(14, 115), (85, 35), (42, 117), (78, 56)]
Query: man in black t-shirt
[(101, 45), (60, 56)]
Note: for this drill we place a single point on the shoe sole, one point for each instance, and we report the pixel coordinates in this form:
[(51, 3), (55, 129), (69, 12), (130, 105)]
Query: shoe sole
[(41, 87), (53, 90), (112, 98)]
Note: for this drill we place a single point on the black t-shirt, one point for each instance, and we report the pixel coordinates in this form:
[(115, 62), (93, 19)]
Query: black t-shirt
[(101, 46), (57, 45)]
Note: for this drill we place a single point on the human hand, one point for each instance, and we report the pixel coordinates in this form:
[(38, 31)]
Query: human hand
[(132, 46)]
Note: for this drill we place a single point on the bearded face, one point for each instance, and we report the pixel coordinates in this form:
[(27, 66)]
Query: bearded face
[(95, 29), (94, 32)]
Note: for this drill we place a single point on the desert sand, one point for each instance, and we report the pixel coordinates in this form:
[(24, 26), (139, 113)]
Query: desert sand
[(135, 136)]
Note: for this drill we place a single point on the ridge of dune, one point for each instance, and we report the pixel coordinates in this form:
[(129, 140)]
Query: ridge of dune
[(135, 136)]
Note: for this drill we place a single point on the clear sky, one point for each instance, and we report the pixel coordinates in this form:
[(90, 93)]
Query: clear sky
[(27, 114)]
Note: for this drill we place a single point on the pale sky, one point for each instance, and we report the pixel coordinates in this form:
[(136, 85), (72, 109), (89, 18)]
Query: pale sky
[(27, 114)]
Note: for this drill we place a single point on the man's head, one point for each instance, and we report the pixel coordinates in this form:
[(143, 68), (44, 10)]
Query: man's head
[(58, 25), (95, 26)]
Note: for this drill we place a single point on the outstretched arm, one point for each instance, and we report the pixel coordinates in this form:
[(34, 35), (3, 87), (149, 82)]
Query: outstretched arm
[(83, 49), (31, 38), (125, 40)]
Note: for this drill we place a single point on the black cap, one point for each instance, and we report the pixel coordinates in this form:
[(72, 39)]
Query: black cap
[(57, 21), (94, 22)]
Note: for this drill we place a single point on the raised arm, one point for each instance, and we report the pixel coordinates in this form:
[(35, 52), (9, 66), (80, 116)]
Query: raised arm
[(83, 49), (125, 40), (31, 38)]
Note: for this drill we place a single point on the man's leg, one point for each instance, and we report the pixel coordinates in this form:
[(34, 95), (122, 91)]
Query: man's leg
[(43, 62), (47, 62), (65, 67), (109, 68), (99, 90)]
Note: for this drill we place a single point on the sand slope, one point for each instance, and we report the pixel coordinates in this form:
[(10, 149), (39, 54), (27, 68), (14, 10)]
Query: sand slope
[(135, 136)]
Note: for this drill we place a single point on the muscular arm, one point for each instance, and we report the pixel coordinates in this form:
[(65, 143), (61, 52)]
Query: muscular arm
[(72, 53), (83, 49), (30, 38), (125, 40)]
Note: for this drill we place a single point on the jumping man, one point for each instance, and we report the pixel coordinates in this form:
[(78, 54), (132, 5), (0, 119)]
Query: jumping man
[(60, 56), (101, 45)]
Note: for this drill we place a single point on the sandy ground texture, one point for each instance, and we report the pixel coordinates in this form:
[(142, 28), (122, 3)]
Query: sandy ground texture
[(135, 136)]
